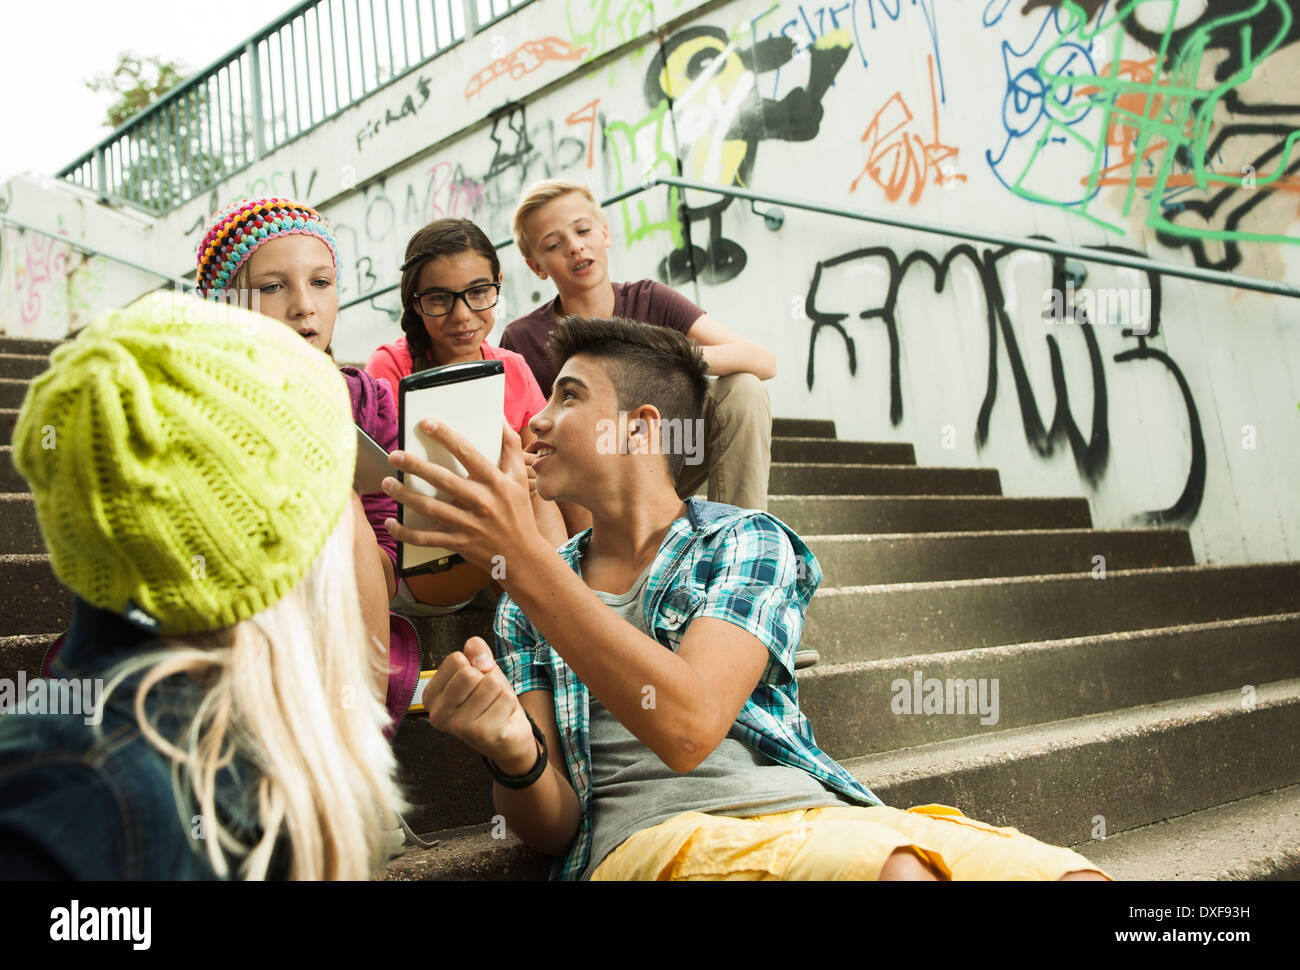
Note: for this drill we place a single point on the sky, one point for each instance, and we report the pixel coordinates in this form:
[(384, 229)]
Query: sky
[(48, 116)]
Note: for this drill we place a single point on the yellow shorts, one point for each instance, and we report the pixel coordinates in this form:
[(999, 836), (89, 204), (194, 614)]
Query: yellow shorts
[(834, 843)]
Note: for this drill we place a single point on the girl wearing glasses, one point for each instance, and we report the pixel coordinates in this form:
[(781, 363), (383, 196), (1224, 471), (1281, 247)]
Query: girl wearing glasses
[(451, 279)]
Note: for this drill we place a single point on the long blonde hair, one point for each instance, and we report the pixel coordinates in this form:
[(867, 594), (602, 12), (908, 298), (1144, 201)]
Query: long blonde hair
[(287, 691)]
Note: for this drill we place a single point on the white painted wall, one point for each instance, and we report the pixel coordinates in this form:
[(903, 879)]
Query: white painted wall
[(922, 123)]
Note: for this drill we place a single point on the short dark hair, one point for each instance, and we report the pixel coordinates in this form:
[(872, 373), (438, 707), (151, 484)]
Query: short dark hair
[(442, 237), (646, 364)]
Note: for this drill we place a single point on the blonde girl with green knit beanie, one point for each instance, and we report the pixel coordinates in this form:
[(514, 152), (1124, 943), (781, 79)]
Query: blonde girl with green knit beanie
[(191, 468)]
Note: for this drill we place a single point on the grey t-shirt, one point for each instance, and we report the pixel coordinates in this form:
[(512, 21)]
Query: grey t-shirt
[(632, 789)]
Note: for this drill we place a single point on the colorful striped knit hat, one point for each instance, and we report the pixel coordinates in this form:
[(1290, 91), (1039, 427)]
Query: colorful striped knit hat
[(238, 230)]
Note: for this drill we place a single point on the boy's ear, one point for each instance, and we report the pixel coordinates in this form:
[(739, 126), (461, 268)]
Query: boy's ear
[(643, 420), (536, 267)]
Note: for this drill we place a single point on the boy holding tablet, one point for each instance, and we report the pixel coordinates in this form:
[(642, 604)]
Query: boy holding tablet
[(643, 722), (563, 236)]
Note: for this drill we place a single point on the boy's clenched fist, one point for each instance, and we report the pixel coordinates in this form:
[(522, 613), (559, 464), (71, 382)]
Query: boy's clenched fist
[(471, 698)]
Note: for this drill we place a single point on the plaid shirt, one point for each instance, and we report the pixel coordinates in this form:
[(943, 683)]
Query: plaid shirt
[(742, 566)]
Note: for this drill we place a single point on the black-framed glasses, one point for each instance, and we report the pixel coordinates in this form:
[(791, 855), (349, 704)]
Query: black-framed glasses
[(439, 303)]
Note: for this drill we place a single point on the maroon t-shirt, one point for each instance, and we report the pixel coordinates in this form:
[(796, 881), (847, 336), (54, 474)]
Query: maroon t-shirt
[(644, 300)]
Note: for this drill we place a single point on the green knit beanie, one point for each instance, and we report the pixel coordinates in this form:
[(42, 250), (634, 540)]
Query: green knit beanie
[(188, 460)]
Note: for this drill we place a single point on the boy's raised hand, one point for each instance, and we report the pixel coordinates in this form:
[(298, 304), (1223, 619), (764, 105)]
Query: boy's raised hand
[(470, 698), (489, 514)]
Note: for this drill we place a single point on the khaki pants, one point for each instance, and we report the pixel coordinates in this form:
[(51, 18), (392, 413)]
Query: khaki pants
[(834, 843), (737, 444)]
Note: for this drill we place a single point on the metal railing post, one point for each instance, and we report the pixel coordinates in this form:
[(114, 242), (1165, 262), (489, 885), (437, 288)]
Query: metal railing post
[(101, 171), (471, 18), (255, 66)]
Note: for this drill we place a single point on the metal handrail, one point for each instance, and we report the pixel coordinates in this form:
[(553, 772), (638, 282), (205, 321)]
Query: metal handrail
[(146, 162), (1216, 277), (186, 284)]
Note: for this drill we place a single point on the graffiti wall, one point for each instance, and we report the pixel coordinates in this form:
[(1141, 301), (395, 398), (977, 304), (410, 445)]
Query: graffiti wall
[(50, 283), (1146, 127), (1159, 128)]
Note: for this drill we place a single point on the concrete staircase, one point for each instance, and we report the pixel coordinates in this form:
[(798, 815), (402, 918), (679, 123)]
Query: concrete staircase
[(1157, 702)]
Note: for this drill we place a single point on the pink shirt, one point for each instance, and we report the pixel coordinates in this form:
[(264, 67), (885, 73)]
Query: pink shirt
[(392, 362)]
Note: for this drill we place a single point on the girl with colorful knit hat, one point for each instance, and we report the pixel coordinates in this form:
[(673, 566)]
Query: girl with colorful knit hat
[(191, 469), (451, 279), (280, 258)]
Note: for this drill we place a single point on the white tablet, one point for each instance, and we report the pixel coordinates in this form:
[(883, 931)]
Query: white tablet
[(470, 398)]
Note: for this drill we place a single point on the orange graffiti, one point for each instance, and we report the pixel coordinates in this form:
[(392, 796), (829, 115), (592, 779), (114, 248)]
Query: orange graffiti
[(524, 59), (1144, 105), (587, 118), (908, 156)]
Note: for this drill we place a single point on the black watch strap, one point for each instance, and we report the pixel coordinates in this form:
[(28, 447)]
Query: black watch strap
[(522, 781)]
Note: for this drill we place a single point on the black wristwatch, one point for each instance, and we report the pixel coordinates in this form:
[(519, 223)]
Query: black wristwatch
[(523, 781)]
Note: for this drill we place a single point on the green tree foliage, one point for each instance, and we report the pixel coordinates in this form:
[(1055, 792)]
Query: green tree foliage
[(168, 157), (138, 82)]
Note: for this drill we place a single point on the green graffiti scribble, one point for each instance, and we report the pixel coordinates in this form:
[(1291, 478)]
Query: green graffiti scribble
[(632, 171), (1184, 107), (605, 24), (85, 286)]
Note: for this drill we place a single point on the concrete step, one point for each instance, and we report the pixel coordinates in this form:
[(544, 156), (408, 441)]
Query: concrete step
[(847, 560), (827, 449), (824, 478), (19, 532), (869, 514), (470, 853), (1256, 838), (877, 622), (849, 706), (1148, 763), (443, 779), (24, 653), (12, 393), (441, 635), (1128, 768), (925, 556), (29, 345), (22, 366), (31, 599), (8, 420), (10, 480), (802, 428), (857, 708)]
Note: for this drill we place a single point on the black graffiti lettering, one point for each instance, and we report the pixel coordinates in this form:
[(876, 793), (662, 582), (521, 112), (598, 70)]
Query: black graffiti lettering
[(1090, 451), (303, 193), (1090, 456), (523, 153), (1188, 503), (365, 275)]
